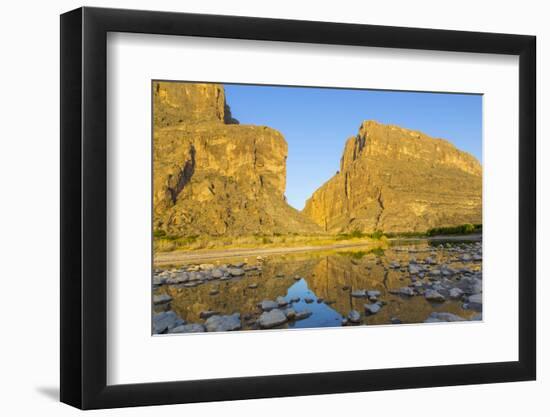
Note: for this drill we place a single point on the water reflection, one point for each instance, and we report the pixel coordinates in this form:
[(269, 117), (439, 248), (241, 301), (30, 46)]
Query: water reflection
[(324, 282)]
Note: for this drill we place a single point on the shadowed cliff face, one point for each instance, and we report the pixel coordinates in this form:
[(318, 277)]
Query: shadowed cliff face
[(398, 180), (213, 176)]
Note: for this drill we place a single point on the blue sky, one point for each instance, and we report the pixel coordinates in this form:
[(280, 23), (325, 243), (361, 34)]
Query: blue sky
[(316, 122)]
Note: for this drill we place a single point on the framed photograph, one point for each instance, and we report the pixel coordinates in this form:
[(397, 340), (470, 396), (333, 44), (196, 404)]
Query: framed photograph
[(256, 208)]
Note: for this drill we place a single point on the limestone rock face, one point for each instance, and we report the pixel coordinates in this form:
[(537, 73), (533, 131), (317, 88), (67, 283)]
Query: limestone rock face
[(398, 180), (213, 176)]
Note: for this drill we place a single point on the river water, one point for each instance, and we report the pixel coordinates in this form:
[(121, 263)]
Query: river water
[(326, 285)]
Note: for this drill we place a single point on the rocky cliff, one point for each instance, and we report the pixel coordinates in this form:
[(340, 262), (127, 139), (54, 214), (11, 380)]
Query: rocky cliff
[(398, 180), (212, 175)]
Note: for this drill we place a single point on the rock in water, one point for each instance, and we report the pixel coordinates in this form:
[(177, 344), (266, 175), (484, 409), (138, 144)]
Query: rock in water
[(374, 293), (236, 272), (456, 293), (304, 314), (207, 314), (354, 316), (290, 313), (475, 302), (161, 299), (406, 291), (223, 323), (281, 302), (436, 317), (189, 328), (217, 273), (213, 176), (372, 308), (432, 184), (272, 318), (432, 295), (268, 305), (167, 320)]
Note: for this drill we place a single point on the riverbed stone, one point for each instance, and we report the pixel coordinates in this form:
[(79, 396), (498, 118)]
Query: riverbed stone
[(281, 302), (223, 323), (465, 257), (290, 313), (207, 314), (162, 322), (189, 328), (304, 314), (354, 316), (272, 318), (158, 280), (268, 305), (177, 278), (436, 317), (161, 299), (406, 291), (475, 302), (433, 295), (372, 308), (456, 293), (414, 269), (308, 300), (359, 293), (236, 272), (216, 273)]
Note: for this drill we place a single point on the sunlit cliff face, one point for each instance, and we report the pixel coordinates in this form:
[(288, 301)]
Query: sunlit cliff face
[(398, 180)]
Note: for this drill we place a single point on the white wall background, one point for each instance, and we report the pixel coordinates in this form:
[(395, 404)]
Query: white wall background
[(29, 178)]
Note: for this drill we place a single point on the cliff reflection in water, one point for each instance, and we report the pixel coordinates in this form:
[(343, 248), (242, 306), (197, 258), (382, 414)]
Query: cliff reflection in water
[(326, 284)]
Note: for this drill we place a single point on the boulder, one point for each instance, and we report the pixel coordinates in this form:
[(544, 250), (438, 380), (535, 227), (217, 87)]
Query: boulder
[(433, 295), (406, 291), (437, 317), (456, 293), (359, 293), (161, 299), (267, 305), (281, 302), (475, 302), (223, 323), (207, 314), (189, 328), (354, 316), (372, 308), (304, 314), (236, 272), (167, 320), (272, 318), (217, 273)]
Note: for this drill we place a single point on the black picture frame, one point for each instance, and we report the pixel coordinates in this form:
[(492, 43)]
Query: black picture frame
[(84, 207)]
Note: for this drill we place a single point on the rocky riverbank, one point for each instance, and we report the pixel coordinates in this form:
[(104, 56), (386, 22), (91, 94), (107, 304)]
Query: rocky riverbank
[(406, 284)]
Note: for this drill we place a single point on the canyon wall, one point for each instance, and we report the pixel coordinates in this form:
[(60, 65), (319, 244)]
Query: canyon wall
[(212, 175), (398, 180)]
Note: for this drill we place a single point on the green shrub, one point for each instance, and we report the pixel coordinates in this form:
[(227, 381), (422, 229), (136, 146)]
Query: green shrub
[(159, 233), (455, 230)]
